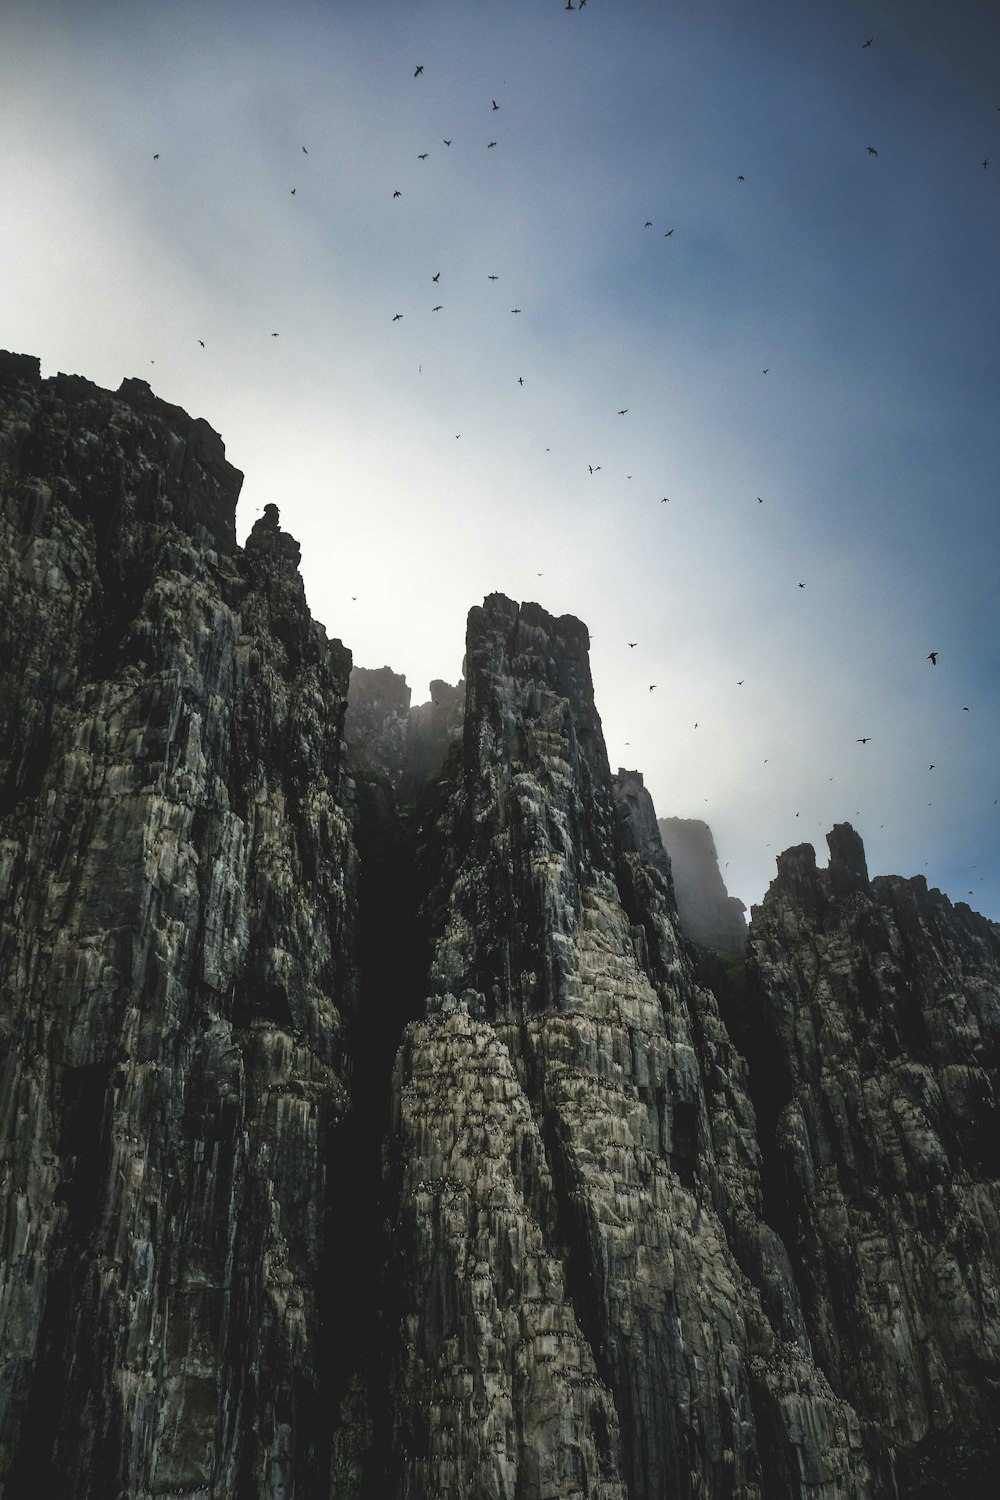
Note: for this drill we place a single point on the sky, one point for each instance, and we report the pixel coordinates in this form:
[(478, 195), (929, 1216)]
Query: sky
[(758, 438)]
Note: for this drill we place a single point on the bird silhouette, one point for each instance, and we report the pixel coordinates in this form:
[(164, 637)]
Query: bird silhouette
[(931, 767), (293, 192), (932, 657), (872, 151), (495, 104), (665, 500), (569, 5), (448, 143), (156, 155), (493, 278), (668, 233), (274, 335), (863, 739), (437, 277), (202, 343), (422, 156), (767, 371), (515, 309), (491, 145), (396, 317), (438, 308), (623, 411), (652, 686), (633, 643), (986, 162), (868, 43), (964, 710), (648, 224), (741, 178), (419, 70), (801, 585), (741, 682), (304, 149), (520, 380), (760, 500)]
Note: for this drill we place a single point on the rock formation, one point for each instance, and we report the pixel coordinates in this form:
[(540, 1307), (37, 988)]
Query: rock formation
[(372, 1125), (708, 914)]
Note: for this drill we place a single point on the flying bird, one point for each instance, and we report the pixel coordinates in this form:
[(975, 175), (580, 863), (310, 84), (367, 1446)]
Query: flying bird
[(930, 768), (448, 143), (623, 411), (932, 657), (986, 162), (764, 372), (491, 145), (438, 308), (741, 178), (420, 69), (202, 343), (868, 43), (495, 104), (156, 155), (652, 686), (397, 194), (964, 709), (633, 643), (437, 277), (422, 156), (274, 335), (872, 151), (760, 500), (668, 233), (569, 5), (520, 380), (304, 149), (801, 585), (665, 500), (493, 278), (741, 682), (648, 224), (863, 740), (515, 309), (396, 317), (293, 192)]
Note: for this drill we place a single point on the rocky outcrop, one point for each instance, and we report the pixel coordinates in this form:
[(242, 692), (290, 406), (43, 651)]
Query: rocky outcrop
[(377, 723), (708, 915), (882, 1003), (177, 961), (579, 1234), (371, 1124)]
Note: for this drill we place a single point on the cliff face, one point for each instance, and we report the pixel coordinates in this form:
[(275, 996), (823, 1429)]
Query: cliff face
[(368, 1125), (178, 955)]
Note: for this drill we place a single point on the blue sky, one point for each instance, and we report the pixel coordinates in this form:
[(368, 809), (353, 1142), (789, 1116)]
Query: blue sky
[(419, 474)]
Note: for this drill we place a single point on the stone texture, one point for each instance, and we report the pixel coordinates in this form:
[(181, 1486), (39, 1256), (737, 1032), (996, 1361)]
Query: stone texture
[(708, 914), (582, 1087), (373, 1127), (882, 1002), (177, 954)]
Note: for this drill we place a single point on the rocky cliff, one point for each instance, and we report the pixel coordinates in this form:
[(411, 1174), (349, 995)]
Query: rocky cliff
[(370, 1125)]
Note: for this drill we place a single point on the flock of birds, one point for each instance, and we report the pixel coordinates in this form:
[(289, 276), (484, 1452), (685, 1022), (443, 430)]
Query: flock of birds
[(648, 224)]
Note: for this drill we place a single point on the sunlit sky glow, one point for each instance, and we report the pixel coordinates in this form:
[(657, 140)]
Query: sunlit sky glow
[(419, 475)]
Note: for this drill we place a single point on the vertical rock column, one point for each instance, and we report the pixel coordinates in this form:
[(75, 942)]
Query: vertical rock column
[(176, 955), (569, 1146)]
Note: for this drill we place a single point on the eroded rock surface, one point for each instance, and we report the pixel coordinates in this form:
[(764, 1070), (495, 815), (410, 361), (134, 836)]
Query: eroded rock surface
[(177, 957), (371, 1127), (882, 1002), (580, 1226)]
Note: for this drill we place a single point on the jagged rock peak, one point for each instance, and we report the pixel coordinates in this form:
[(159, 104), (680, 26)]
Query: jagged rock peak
[(709, 915), (637, 823)]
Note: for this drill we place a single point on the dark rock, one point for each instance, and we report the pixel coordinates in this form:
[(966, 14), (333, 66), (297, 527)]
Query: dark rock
[(378, 1127), (708, 914)]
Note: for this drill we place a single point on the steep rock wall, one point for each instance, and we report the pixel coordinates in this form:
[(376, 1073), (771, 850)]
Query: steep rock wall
[(587, 1287), (882, 1003), (177, 958)]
